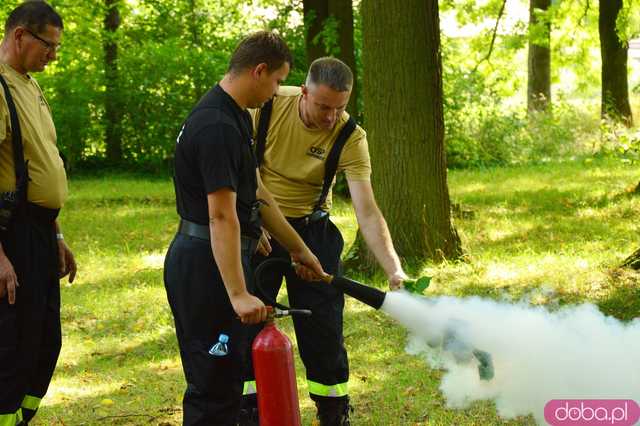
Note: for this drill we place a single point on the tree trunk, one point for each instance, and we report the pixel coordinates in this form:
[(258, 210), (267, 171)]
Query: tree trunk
[(539, 87), (342, 10), (405, 124), (615, 87), (113, 109), (316, 12)]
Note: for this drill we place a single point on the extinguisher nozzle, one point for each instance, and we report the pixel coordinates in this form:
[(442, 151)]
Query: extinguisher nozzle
[(368, 295)]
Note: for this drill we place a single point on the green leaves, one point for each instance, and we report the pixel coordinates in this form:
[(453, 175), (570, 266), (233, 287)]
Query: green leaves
[(417, 286)]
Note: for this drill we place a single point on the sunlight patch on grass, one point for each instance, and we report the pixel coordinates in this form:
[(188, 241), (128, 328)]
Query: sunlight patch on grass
[(65, 390)]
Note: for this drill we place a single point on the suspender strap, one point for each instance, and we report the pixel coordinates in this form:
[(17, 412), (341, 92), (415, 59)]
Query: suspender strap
[(331, 164), (16, 140), (263, 127)]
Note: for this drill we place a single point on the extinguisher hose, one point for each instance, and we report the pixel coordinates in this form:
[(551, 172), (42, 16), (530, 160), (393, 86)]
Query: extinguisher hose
[(279, 264)]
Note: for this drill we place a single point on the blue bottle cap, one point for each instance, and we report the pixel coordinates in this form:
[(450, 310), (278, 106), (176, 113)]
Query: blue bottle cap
[(223, 338)]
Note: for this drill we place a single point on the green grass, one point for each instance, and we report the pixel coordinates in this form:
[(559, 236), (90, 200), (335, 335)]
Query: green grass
[(549, 233)]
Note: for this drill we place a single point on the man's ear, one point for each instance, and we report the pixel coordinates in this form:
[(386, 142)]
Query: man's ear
[(304, 89), (18, 33), (259, 69)]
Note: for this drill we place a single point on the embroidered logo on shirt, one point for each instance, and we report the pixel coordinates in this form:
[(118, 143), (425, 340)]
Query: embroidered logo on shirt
[(316, 152)]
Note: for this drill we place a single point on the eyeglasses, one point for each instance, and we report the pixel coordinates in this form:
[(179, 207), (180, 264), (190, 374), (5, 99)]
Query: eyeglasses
[(51, 47)]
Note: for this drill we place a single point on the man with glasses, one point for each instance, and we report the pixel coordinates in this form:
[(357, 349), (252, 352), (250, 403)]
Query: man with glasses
[(33, 253)]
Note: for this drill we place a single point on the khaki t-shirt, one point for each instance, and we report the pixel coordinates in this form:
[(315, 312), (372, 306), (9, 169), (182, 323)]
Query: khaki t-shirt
[(295, 155), (48, 181)]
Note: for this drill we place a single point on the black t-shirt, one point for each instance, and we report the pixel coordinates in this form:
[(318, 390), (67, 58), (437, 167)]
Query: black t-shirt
[(214, 151)]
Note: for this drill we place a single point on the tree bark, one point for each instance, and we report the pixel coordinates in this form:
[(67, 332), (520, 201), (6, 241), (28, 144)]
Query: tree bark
[(113, 109), (315, 13), (539, 85), (615, 86), (405, 124)]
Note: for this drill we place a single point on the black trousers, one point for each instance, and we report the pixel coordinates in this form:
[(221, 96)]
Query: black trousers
[(202, 310), (320, 339), (30, 336)]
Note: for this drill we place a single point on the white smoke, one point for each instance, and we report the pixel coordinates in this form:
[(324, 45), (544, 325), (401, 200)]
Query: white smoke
[(537, 355)]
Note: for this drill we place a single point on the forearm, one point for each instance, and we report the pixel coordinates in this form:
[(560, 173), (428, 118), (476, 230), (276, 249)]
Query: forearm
[(274, 221), (225, 245), (378, 238)]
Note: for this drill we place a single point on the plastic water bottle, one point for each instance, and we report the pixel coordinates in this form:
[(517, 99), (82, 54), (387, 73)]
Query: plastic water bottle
[(220, 348)]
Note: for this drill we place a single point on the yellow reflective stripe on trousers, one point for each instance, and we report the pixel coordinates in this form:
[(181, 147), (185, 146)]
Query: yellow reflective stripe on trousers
[(249, 388), (11, 419), (31, 402), (319, 389)]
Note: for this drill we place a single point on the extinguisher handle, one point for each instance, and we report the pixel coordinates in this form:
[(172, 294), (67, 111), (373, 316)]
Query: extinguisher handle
[(279, 313)]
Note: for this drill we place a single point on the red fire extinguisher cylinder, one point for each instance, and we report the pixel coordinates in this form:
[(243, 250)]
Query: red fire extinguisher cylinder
[(275, 378)]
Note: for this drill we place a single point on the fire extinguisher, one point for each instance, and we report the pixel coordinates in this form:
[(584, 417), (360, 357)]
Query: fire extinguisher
[(273, 364), (275, 374)]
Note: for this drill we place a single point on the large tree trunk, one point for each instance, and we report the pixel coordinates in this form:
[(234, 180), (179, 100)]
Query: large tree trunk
[(113, 109), (615, 87), (405, 124), (539, 87), (316, 12)]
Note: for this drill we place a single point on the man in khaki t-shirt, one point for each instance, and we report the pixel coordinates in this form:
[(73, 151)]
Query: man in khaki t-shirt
[(33, 254), (303, 127)]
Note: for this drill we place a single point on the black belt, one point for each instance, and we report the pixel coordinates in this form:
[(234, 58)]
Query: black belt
[(301, 222), (201, 232)]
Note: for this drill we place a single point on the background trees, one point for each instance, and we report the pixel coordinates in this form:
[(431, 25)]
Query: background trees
[(129, 72), (539, 81), (615, 88)]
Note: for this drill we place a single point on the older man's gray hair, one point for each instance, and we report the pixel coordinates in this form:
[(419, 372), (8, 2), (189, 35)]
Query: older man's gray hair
[(331, 72)]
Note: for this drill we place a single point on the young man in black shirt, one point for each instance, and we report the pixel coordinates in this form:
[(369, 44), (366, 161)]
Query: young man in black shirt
[(207, 268)]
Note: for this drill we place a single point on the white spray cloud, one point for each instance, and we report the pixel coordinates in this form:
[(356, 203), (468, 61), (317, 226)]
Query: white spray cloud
[(537, 355)]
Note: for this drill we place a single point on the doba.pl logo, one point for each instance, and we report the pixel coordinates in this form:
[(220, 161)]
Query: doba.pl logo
[(591, 412)]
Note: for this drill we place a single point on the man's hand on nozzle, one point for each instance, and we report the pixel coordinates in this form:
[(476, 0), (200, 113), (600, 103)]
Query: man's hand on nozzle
[(249, 308), (396, 280), (8, 279), (307, 266)]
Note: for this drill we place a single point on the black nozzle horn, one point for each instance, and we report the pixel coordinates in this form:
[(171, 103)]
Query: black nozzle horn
[(369, 295)]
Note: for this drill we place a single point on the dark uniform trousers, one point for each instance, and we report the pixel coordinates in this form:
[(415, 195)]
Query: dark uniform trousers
[(319, 336), (30, 336), (202, 310)]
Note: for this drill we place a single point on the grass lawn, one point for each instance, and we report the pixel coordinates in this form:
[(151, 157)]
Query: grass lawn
[(551, 234)]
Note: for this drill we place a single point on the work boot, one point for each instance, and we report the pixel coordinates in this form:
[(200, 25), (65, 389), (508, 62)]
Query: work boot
[(248, 415), (333, 411)]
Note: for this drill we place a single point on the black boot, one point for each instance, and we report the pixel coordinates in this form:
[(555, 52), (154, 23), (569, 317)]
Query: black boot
[(249, 411), (333, 411)]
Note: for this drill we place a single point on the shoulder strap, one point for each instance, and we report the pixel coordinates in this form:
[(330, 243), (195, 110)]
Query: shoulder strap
[(331, 165), (263, 128), (16, 139)]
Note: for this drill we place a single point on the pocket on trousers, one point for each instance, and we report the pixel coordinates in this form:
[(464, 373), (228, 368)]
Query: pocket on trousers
[(207, 372)]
